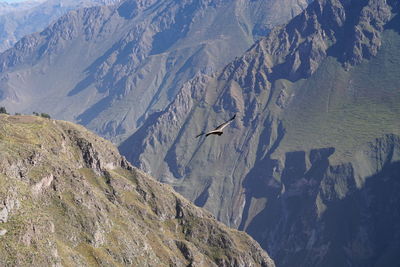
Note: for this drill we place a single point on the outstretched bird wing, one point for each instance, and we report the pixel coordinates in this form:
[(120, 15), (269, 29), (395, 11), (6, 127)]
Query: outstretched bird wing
[(219, 128), (223, 125), (200, 134)]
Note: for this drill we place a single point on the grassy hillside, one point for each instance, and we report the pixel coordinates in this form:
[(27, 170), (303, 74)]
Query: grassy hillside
[(67, 198), (345, 108)]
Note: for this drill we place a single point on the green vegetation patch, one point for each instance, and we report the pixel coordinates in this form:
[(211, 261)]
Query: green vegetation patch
[(344, 109)]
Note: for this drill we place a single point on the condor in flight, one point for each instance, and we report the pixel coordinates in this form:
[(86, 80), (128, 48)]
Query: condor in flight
[(218, 130)]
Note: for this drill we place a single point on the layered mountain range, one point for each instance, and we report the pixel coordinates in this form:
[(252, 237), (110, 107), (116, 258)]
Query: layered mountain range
[(22, 18), (67, 198), (309, 167), (109, 68), (311, 162)]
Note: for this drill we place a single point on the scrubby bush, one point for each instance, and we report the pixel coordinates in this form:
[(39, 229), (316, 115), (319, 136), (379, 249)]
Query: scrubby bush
[(45, 115)]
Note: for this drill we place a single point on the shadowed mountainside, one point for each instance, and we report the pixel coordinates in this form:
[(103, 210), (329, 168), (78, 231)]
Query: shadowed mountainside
[(321, 213)]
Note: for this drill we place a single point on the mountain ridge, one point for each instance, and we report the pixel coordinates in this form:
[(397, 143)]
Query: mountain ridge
[(333, 102), (68, 198), (157, 47), (29, 17)]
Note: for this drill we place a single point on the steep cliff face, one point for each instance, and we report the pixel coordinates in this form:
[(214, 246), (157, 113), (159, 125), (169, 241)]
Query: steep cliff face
[(326, 82), (68, 198), (20, 19), (128, 61)]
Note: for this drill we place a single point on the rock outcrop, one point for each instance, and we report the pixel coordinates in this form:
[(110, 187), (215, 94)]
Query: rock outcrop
[(68, 198)]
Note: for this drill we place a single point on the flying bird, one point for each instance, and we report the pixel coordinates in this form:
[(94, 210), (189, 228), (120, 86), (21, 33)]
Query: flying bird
[(218, 130)]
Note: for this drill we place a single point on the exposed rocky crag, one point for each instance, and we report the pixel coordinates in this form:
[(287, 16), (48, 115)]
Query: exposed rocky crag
[(128, 61), (67, 198), (323, 85), (20, 19)]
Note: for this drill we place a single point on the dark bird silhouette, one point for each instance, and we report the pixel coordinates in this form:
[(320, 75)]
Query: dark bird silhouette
[(218, 130)]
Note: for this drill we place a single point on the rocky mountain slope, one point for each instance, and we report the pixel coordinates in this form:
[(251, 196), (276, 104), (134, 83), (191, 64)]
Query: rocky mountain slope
[(109, 68), (20, 19), (67, 198), (308, 98)]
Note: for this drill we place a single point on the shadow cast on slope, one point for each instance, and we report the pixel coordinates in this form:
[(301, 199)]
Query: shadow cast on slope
[(163, 40), (255, 182), (394, 24), (104, 82), (358, 229)]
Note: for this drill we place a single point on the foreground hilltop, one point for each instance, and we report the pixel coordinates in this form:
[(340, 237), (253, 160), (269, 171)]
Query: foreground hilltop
[(68, 198)]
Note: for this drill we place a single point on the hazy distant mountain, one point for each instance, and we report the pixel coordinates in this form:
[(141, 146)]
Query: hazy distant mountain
[(310, 165), (67, 198), (8, 7), (20, 19), (108, 68)]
